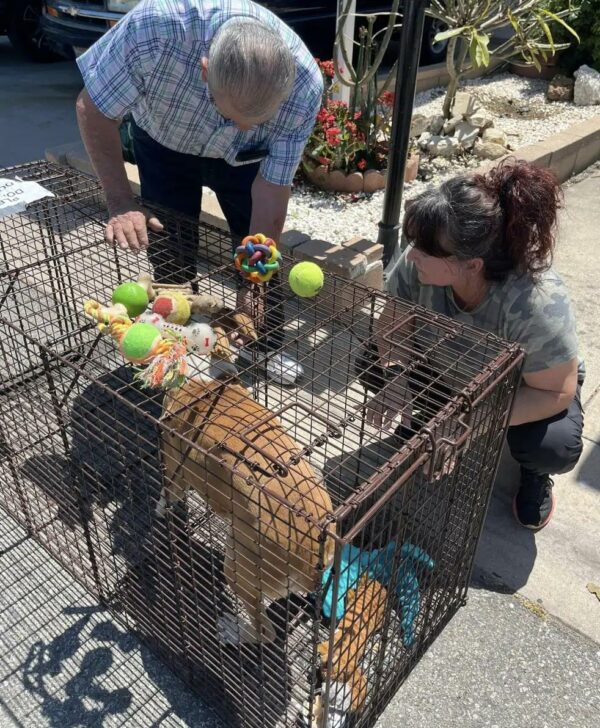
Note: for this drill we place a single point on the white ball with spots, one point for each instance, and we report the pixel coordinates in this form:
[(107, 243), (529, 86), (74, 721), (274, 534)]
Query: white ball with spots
[(201, 338)]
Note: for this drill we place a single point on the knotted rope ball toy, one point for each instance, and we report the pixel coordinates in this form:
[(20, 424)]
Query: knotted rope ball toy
[(257, 258)]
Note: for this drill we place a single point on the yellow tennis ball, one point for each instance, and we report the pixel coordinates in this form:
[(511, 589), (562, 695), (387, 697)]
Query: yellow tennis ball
[(139, 342), (133, 296), (306, 279), (173, 307)]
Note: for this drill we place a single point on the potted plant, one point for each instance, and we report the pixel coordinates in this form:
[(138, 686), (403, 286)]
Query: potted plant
[(348, 148)]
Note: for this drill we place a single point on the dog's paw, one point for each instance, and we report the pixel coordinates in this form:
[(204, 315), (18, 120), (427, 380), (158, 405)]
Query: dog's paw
[(161, 506)]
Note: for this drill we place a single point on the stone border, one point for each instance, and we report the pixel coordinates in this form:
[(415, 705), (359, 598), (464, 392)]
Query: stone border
[(567, 153)]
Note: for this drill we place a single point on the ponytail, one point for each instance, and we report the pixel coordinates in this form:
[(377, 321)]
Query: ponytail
[(529, 198)]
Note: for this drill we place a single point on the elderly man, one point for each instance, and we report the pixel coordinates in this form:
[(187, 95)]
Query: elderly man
[(223, 94)]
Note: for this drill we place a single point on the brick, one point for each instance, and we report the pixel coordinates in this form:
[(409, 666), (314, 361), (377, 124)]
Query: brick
[(214, 220), (373, 277), (333, 258), (588, 154), (77, 157), (133, 177), (373, 252), (564, 156), (58, 154), (538, 154), (291, 239), (319, 250), (587, 128)]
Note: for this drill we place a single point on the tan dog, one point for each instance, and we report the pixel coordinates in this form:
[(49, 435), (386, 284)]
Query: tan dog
[(237, 456)]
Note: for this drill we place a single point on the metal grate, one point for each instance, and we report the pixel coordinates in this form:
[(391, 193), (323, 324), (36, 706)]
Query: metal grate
[(281, 501)]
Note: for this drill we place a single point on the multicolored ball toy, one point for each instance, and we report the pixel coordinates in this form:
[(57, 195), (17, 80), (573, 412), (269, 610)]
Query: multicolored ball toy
[(257, 258)]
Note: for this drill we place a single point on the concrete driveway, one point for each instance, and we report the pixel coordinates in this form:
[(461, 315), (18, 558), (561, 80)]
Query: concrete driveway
[(37, 106)]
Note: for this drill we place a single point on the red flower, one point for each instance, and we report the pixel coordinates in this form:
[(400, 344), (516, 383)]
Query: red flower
[(333, 136), (362, 164), (327, 68), (351, 127), (386, 98), (322, 115), (324, 161)]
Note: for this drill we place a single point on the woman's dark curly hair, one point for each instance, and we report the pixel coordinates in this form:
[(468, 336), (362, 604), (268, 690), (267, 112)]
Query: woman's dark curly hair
[(507, 217)]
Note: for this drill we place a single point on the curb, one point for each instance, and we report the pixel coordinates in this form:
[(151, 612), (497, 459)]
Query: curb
[(567, 153)]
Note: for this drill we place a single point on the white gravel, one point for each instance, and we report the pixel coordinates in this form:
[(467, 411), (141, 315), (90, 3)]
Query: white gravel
[(337, 218)]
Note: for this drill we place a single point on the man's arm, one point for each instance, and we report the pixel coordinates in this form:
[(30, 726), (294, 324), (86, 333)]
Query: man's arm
[(102, 141), (269, 208), (127, 221)]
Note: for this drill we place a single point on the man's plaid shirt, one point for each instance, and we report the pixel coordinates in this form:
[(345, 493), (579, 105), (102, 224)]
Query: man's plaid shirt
[(149, 64)]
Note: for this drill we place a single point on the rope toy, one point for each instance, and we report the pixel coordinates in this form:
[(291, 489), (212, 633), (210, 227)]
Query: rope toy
[(143, 343), (257, 258)]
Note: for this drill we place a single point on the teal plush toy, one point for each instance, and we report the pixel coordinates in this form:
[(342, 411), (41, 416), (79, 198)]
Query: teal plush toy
[(378, 565)]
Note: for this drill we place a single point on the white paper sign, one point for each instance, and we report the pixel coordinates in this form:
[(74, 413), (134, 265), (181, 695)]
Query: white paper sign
[(15, 195)]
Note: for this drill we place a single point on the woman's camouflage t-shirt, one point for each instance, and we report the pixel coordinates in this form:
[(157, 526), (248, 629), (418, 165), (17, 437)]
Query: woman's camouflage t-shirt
[(536, 314)]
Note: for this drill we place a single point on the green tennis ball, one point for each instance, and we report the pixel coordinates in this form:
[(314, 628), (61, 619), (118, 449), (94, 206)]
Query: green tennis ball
[(133, 297), (138, 342), (306, 279)]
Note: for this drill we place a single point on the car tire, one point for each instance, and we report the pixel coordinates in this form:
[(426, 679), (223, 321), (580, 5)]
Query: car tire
[(24, 31), (432, 51)]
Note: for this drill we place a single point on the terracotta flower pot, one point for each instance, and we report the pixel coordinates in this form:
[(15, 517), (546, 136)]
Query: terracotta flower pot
[(371, 181)]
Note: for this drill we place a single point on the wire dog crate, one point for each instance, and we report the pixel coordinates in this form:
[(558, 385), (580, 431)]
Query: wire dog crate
[(288, 559)]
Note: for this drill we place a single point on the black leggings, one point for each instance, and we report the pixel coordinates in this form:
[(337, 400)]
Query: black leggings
[(546, 447)]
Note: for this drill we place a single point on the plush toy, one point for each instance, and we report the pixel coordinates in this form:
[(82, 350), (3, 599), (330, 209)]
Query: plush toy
[(173, 307), (378, 565), (365, 611), (306, 279), (133, 296), (200, 337), (257, 258)]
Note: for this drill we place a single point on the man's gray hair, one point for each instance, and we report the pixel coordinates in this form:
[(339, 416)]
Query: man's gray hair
[(251, 66)]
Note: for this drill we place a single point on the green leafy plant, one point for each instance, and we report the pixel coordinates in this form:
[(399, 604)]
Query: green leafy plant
[(471, 23), (355, 135), (585, 20)]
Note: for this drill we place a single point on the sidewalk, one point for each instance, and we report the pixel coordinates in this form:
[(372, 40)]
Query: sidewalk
[(553, 567)]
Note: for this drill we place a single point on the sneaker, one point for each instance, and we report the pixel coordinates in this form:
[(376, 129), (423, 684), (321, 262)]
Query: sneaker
[(281, 368), (534, 504)]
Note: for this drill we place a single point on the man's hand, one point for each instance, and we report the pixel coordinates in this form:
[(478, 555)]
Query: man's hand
[(128, 226)]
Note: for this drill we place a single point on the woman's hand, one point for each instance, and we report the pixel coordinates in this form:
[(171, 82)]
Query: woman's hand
[(392, 402)]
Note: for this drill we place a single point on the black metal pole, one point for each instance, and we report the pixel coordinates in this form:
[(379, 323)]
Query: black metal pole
[(406, 83)]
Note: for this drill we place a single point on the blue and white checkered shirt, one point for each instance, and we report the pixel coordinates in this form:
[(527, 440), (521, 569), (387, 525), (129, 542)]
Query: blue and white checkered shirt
[(149, 64)]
